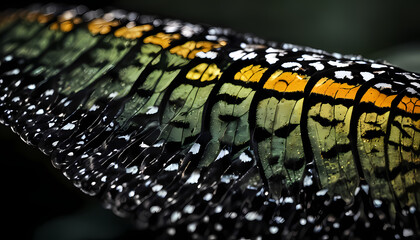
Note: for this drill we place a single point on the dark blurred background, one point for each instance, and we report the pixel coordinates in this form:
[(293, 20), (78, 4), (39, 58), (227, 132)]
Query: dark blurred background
[(38, 202)]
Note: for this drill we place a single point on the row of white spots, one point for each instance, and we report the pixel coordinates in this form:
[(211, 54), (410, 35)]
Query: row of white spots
[(313, 57), (273, 55), (317, 65), (410, 76), (186, 29), (242, 54), (338, 63), (228, 178), (208, 55)]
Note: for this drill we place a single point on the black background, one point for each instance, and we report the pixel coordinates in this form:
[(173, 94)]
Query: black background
[(38, 202)]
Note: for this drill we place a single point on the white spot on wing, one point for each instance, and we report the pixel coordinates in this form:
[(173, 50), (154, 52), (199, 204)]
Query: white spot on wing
[(192, 227), (68, 126), (39, 112), (152, 110), (307, 57), (175, 216), (293, 65), (273, 229), (132, 170), (125, 137), (307, 181), (376, 65), (172, 167), (271, 58), (222, 153), (208, 197), (157, 188), (407, 232), (195, 148), (93, 108), (367, 76), (343, 75), (338, 64), (251, 216), (112, 95), (237, 54), (49, 92), (189, 209), (228, 178), (377, 203), (155, 209), (383, 85), (321, 192), (193, 178), (365, 188), (317, 65), (244, 157), (209, 55)]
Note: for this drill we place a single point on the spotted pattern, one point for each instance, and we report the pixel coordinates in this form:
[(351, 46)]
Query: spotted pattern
[(200, 132)]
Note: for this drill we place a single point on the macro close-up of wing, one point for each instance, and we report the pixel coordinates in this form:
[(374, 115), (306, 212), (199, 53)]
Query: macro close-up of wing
[(200, 132)]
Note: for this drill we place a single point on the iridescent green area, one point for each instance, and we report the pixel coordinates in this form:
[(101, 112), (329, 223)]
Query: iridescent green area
[(328, 128), (64, 52), (97, 62), (166, 66), (125, 74), (38, 43), (22, 32), (403, 146), (372, 156), (279, 141), (229, 126), (183, 114), (151, 85)]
